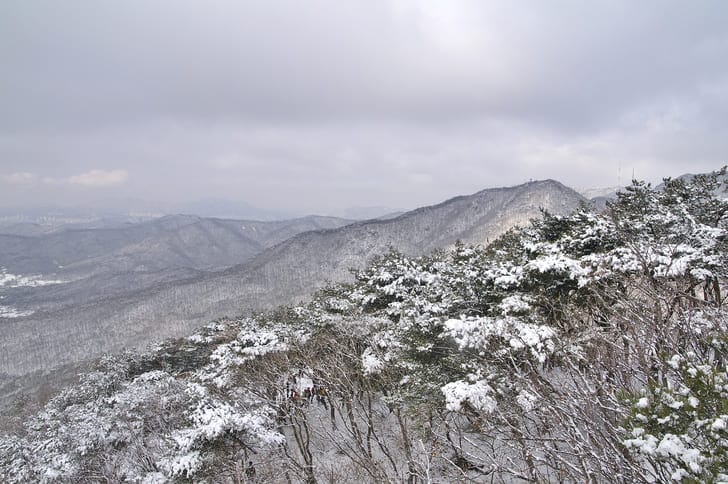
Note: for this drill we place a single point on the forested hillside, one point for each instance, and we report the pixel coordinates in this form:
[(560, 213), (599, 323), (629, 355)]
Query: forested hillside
[(81, 320), (587, 347)]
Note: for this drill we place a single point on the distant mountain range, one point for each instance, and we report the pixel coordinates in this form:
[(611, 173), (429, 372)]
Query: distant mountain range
[(174, 241), (48, 219), (132, 285), (606, 192), (134, 210)]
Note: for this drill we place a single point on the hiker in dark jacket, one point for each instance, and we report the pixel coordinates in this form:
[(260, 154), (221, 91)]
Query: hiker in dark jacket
[(250, 470)]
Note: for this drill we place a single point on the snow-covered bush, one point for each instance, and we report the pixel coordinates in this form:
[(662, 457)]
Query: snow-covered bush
[(679, 428)]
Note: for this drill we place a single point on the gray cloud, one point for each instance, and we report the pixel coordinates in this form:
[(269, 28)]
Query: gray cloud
[(314, 104), (99, 178), (93, 178), (20, 178)]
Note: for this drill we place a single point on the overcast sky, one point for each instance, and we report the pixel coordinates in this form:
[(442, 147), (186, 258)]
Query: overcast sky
[(311, 106)]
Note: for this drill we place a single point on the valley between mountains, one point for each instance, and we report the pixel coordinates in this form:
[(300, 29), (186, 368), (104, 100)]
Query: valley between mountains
[(127, 286)]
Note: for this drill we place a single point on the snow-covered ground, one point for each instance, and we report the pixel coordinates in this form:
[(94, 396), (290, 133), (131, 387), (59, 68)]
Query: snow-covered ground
[(10, 312), (17, 280), (9, 281)]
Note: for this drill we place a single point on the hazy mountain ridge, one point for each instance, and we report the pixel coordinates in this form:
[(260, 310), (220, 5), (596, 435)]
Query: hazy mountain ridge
[(474, 219), (285, 273), (33, 228), (603, 192), (107, 272), (369, 213), (171, 241)]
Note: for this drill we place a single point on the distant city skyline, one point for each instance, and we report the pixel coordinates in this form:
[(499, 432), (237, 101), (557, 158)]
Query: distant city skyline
[(314, 107)]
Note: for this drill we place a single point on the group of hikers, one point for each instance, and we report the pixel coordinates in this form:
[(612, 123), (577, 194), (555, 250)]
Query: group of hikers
[(306, 397)]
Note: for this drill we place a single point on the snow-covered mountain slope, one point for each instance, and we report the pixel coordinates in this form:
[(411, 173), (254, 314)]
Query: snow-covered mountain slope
[(589, 347), (96, 264), (285, 273)]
